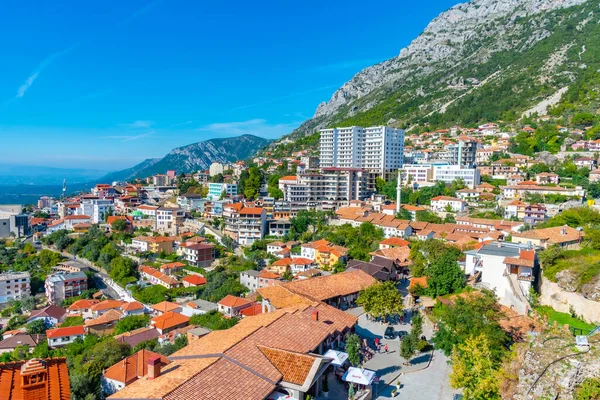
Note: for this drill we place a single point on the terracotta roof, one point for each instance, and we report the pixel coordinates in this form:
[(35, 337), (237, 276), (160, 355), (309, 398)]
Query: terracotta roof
[(294, 367), (251, 211), (113, 218), (133, 367), (553, 235), (107, 305), (70, 217), (55, 387), (518, 261), (254, 309), (166, 306), (196, 280), (83, 304), (315, 244), (280, 297), (169, 319), (68, 331), (326, 287), (21, 339), (109, 316), (446, 198), (282, 262), (289, 178), (134, 305), (393, 241), (268, 275), (421, 281), (233, 301), (302, 261), (400, 254), (169, 280), (172, 265)]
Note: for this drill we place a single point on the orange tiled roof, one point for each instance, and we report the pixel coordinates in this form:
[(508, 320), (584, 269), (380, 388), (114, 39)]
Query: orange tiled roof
[(82, 304), (169, 280), (134, 305), (421, 281), (268, 275), (166, 306), (195, 280), (68, 331), (294, 367), (255, 309), (107, 305), (133, 367), (393, 241), (326, 287), (169, 319), (109, 316), (233, 301), (55, 387)]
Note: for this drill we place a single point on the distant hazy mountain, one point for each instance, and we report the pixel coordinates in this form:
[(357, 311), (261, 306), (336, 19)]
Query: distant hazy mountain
[(194, 157)]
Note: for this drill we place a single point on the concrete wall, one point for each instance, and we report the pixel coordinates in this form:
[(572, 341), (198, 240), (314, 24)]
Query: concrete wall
[(552, 295)]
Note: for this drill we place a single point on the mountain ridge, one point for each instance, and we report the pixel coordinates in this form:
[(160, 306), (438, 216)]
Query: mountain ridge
[(193, 157), (484, 50)]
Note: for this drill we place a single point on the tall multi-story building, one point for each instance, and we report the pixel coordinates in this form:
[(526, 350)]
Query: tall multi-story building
[(215, 190), (450, 173), (383, 151), (462, 153), (14, 286), (244, 224), (342, 147), (97, 209), (60, 286), (329, 189), (377, 149)]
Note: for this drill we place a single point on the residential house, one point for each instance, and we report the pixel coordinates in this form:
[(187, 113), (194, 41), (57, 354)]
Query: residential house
[(442, 203), (36, 378), (169, 321), (60, 285), (199, 254), (249, 278), (279, 227), (128, 221), (133, 308), (133, 338), (547, 177), (243, 224), (129, 370), (59, 337), (231, 306), (9, 344), (562, 236), (338, 290), (585, 162), (154, 244), (379, 268), (51, 315), (515, 209), (158, 278), (534, 213), (393, 242), (82, 307), (253, 358), (105, 323), (172, 268), (165, 306), (193, 280), (105, 306), (328, 255), (595, 175)]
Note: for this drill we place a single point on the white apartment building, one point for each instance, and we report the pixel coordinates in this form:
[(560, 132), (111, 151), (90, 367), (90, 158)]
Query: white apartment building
[(215, 190), (450, 173), (342, 147), (421, 174), (168, 219), (216, 168), (378, 149), (329, 189), (245, 225), (440, 203), (97, 209), (14, 286), (383, 151), (462, 153)]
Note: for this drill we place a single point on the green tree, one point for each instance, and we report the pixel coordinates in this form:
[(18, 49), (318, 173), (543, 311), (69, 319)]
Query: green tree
[(120, 225), (589, 389), (408, 348), (131, 322), (444, 275), (275, 192), (252, 184), (404, 214), (380, 299), (123, 269), (36, 327), (353, 348), (213, 320), (475, 370)]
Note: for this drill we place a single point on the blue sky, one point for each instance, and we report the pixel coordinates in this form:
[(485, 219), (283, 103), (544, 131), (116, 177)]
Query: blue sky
[(104, 85)]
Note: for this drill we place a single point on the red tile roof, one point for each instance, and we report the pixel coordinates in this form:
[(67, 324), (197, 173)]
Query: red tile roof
[(233, 301), (68, 331), (133, 367), (55, 387), (169, 320), (195, 280)]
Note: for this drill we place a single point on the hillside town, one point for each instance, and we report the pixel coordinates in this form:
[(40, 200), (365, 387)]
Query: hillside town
[(331, 272)]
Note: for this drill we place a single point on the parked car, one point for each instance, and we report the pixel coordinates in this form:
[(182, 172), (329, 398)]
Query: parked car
[(390, 333), (401, 334)]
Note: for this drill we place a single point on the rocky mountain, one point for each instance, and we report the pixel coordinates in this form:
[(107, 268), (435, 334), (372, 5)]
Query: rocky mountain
[(194, 157), (478, 61)]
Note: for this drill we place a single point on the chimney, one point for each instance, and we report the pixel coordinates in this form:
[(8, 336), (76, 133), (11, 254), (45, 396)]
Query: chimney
[(315, 315), (563, 231), (153, 367)]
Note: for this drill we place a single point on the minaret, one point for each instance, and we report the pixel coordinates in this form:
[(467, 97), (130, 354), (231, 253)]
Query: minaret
[(399, 191)]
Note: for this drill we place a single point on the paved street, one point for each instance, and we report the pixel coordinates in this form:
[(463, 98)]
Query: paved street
[(421, 380)]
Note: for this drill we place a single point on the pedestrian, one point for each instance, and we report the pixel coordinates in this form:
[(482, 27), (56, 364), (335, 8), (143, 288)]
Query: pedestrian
[(386, 348), (376, 342)]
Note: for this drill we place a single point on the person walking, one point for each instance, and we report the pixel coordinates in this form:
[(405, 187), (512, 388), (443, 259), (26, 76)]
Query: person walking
[(386, 348)]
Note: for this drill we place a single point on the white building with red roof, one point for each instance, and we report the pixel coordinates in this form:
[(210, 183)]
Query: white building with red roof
[(59, 337)]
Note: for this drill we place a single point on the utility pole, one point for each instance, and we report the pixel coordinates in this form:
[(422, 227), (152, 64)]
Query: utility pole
[(399, 191)]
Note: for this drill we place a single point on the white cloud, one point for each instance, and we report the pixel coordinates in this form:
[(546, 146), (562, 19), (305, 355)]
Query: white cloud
[(126, 138), (258, 127), (140, 124), (45, 63)]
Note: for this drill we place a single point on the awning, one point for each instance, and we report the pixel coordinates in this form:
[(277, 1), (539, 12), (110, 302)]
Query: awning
[(279, 396), (339, 357), (360, 376)]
